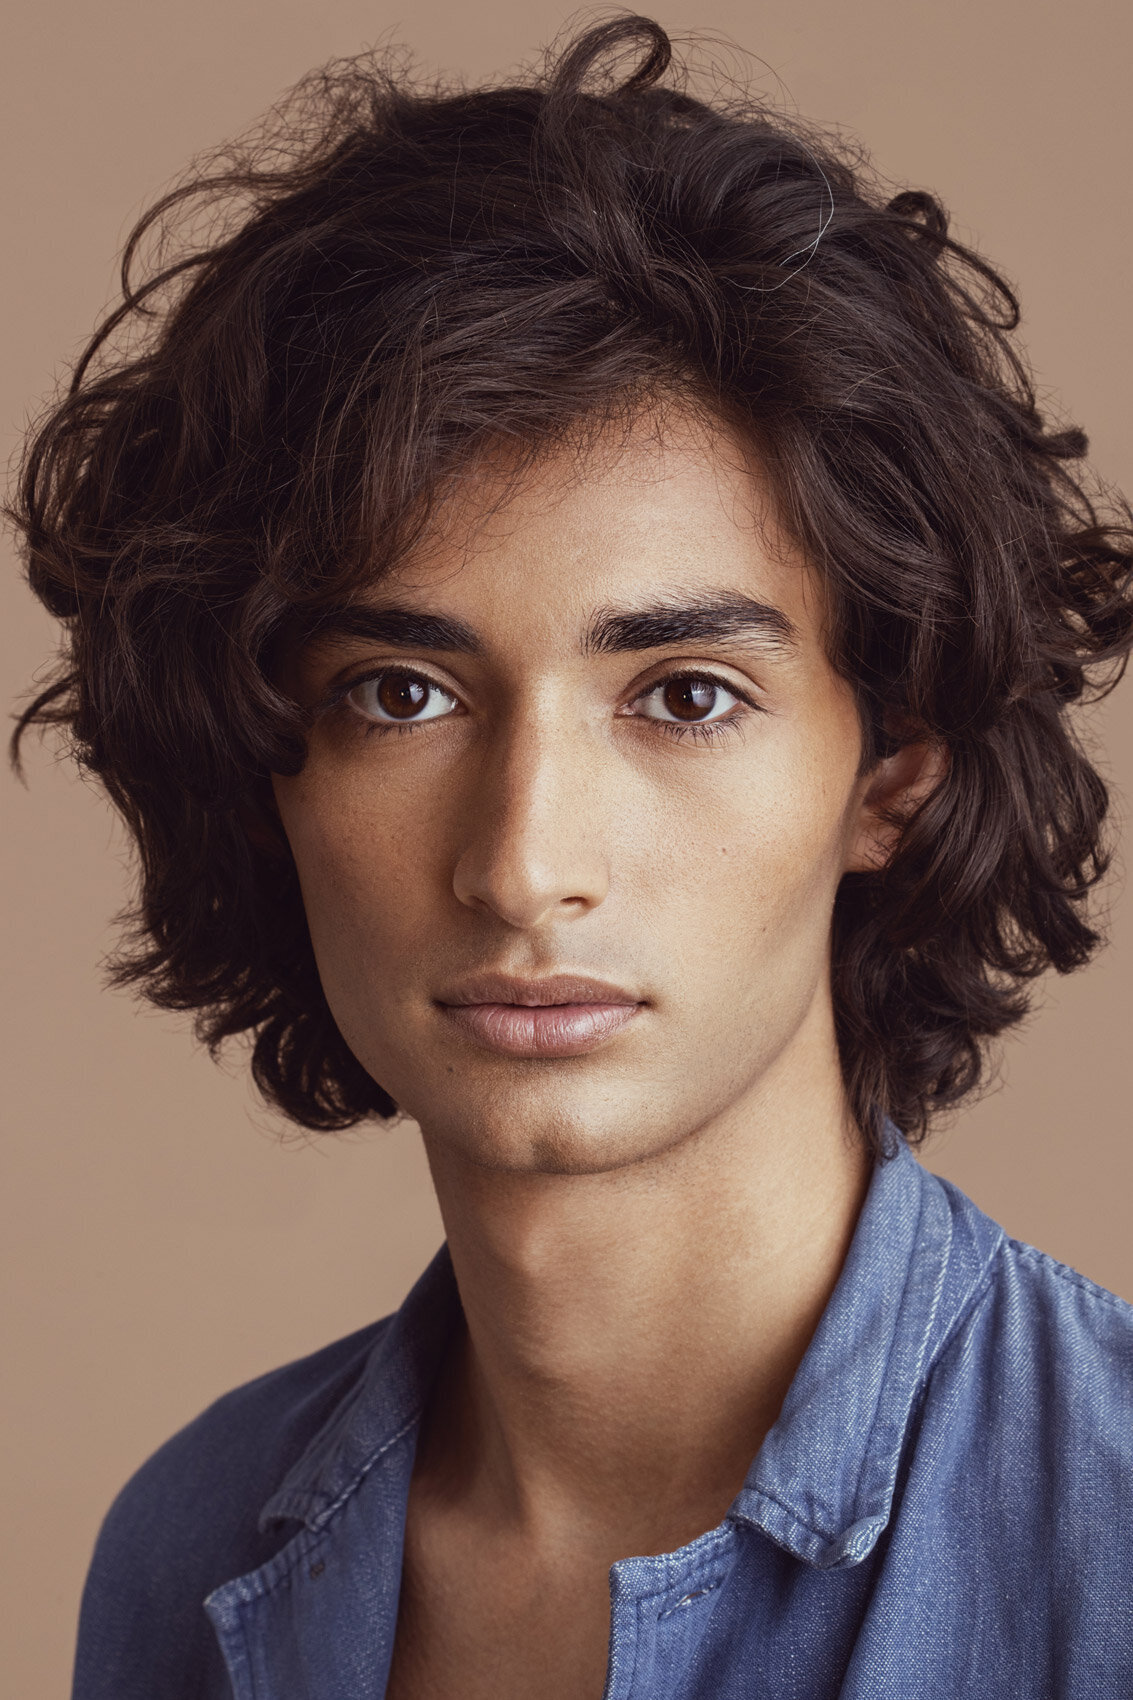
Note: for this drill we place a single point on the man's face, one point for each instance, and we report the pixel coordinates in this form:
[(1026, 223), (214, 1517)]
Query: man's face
[(594, 735)]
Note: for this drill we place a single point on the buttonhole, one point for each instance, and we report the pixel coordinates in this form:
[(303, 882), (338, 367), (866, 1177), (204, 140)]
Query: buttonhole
[(687, 1599)]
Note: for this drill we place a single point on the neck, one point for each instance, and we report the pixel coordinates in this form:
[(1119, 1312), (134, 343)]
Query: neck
[(641, 1326)]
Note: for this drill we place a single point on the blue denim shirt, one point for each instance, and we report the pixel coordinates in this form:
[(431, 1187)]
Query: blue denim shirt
[(944, 1506)]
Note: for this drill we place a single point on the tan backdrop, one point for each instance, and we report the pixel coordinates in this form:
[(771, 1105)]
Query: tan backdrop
[(161, 1243)]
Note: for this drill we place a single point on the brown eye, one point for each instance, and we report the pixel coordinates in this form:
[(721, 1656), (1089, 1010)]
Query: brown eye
[(689, 698), (400, 696)]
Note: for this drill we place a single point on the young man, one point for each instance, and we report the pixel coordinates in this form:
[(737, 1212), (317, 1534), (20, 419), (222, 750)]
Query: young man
[(576, 601)]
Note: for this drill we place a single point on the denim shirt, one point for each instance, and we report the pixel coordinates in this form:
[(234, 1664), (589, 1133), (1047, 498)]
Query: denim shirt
[(944, 1506)]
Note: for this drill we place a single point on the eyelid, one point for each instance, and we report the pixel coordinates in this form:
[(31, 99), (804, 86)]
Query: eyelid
[(339, 692), (451, 700), (710, 675)]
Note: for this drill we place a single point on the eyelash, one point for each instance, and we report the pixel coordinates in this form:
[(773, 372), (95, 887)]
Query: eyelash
[(705, 732), (701, 731)]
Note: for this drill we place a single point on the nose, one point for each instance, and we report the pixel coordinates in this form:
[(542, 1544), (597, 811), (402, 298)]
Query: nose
[(533, 848)]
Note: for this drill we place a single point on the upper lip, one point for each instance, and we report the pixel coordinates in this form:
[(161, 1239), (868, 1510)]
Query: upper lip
[(555, 988)]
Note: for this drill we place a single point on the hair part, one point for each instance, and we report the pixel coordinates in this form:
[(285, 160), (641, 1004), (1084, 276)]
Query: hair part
[(396, 280)]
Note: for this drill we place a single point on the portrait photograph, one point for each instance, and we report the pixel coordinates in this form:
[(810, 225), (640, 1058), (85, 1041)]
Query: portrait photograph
[(568, 972)]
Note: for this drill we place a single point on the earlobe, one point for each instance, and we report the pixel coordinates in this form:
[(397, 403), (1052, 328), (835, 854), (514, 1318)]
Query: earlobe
[(890, 794)]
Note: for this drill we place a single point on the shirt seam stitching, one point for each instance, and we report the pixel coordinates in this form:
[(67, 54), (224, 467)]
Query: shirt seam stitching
[(980, 1290), (922, 1364), (318, 1515), (794, 1515), (1063, 1271), (923, 1370), (324, 1516)]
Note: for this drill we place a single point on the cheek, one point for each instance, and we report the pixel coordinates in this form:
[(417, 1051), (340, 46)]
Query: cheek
[(350, 854), (763, 860)]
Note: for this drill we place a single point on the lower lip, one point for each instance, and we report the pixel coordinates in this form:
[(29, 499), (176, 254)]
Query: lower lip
[(546, 1030)]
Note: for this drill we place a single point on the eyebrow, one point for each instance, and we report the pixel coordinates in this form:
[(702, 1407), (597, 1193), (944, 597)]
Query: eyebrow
[(728, 614), (404, 628), (611, 631)]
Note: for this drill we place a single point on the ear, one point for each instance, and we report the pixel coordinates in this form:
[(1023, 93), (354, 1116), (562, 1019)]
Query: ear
[(888, 795)]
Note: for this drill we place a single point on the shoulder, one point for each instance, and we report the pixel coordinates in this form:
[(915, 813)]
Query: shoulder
[(189, 1519), (1041, 1315), (1072, 1342), (1034, 1378), (1071, 1300)]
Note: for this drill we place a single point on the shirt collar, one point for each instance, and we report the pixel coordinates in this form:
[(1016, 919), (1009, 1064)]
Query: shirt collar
[(822, 1483), (386, 1402)]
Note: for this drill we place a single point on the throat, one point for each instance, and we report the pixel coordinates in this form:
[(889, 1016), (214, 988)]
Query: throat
[(625, 1332)]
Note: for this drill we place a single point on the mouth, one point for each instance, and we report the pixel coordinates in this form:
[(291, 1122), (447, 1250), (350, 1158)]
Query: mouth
[(565, 1015)]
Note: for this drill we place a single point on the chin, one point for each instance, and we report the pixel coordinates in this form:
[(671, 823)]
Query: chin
[(520, 1132)]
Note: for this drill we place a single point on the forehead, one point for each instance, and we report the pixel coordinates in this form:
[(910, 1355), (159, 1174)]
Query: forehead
[(667, 507)]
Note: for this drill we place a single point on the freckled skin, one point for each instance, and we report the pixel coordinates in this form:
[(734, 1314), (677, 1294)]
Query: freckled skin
[(644, 1236)]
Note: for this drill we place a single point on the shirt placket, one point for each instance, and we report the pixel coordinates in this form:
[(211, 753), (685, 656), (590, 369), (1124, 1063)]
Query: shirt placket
[(660, 1609)]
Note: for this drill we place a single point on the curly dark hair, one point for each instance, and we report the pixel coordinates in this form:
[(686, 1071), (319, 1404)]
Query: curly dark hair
[(395, 277)]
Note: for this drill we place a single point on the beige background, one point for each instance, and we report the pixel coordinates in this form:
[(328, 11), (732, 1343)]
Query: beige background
[(160, 1243)]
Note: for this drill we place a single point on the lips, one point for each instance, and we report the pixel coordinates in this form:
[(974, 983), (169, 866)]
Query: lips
[(565, 1015)]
